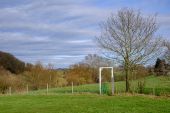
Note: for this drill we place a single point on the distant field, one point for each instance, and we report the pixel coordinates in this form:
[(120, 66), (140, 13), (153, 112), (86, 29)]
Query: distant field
[(83, 104), (158, 85)]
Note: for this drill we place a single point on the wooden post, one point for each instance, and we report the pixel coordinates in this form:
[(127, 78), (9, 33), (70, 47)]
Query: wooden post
[(47, 88), (9, 90), (50, 82), (72, 89), (27, 88)]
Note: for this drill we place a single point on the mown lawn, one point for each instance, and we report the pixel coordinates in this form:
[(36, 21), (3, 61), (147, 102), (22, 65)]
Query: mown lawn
[(83, 104)]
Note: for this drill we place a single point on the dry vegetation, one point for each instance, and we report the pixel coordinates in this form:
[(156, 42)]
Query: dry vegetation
[(37, 76)]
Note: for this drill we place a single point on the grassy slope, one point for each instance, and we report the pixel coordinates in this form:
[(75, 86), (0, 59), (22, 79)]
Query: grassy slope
[(82, 104), (160, 84)]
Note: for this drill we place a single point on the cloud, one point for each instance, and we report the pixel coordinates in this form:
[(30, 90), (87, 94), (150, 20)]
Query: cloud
[(164, 20), (79, 41), (20, 37), (60, 32)]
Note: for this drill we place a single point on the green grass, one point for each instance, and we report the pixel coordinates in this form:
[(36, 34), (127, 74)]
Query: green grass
[(59, 100), (82, 104), (158, 85)]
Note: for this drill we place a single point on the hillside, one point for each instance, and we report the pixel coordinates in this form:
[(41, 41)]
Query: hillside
[(11, 63)]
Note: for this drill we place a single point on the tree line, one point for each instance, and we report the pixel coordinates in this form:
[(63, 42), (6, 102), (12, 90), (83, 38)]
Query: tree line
[(37, 76)]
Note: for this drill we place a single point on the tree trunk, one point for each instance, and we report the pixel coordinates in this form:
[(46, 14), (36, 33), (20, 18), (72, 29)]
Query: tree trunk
[(127, 78)]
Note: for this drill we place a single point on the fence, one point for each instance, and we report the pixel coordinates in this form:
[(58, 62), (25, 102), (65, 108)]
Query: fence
[(150, 85), (153, 89)]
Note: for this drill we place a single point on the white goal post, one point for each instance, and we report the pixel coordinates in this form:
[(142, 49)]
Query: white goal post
[(100, 79)]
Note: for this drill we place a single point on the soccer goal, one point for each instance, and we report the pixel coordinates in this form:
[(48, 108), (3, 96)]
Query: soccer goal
[(100, 79)]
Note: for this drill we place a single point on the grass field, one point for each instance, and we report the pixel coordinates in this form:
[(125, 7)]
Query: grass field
[(83, 104), (59, 100), (158, 85)]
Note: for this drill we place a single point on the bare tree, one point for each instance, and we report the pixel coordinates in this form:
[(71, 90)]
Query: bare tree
[(96, 61), (167, 53), (130, 38)]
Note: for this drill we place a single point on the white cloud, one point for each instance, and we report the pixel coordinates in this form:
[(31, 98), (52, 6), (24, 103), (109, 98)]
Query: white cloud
[(20, 37), (53, 30), (164, 20), (79, 41)]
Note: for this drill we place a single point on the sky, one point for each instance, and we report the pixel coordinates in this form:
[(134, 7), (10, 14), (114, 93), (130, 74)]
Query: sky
[(62, 32)]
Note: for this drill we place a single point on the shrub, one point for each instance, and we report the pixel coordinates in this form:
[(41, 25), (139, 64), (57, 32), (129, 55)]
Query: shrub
[(141, 86)]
